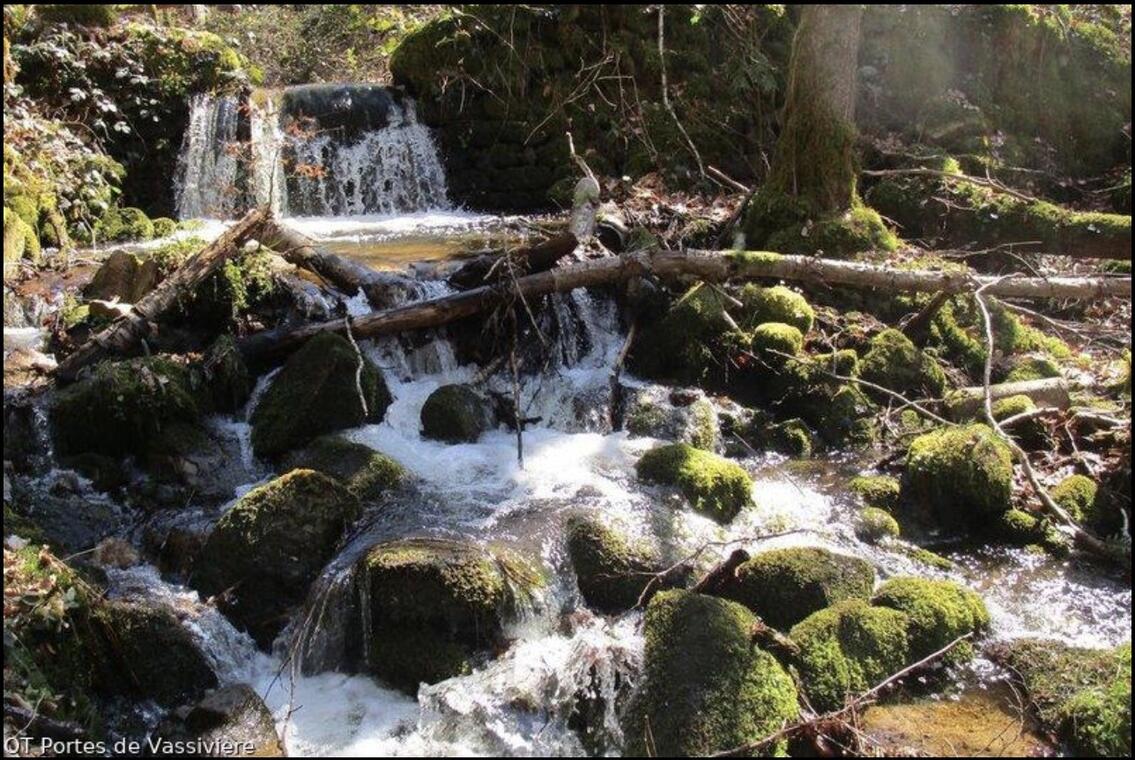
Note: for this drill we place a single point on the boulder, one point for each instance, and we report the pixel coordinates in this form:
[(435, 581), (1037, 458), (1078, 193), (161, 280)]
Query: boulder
[(611, 572), (230, 715), (939, 611), (366, 472), (895, 363), (714, 486), (123, 277), (875, 525), (776, 304), (455, 414)]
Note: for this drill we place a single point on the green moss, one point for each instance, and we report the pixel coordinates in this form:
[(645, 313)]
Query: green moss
[(959, 329), (939, 612), (270, 545), (848, 418), (784, 586), (20, 241), (316, 393), (880, 491), (705, 688), (225, 375), (685, 341), (1011, 406), (893, 362), (874, 525), (1083, 694), (124, 224), (79, 15), (848, 648), (713, 485), (1078, 495), (772, 340), (122, 407), (164, 226), (455, 414), (1020, 527), (957, 476), (928, 558), (703, 429), (776, 304), (434, 605), (366, 472), (611, 573), (791, 437), (1032, 368)]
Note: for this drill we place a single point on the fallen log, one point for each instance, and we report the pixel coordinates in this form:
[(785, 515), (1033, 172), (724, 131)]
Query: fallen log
[(966, 403), (534, 258), (124, 333), (710, 266), (297, 248)]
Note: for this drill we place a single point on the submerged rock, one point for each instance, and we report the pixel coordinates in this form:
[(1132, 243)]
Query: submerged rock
[(232, 714), (365, 471), (713, 485), (455, 414), (784, 586), (265, 551), (706, 687), (612, 573), (317, 392), (874, 525), (435, 605)]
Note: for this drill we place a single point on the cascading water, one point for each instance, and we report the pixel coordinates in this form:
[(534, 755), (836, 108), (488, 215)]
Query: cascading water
[(316, 150)]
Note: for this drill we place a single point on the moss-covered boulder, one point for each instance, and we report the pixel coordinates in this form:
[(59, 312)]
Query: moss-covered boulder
[(939, 612), (611, 572), (784, 586), (123, 407), (713, 485), (437, 605), (366, 472), (880, 491), (685, 342), (20, 240), (957, 477), (874, 525), (317, 392), (1020, 528), (776, 304), (124, 225), (1032, 368), (225, 375), (706, 687), (164, 226), (1078, 495), (656, 412), (265, 551), (455, 414), (774, 342), (895, 363), (1082, 694)]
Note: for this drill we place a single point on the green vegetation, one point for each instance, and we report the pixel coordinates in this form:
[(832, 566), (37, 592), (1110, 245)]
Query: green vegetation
[(612, 573), (939, 611), (366, 472), (713, 485)]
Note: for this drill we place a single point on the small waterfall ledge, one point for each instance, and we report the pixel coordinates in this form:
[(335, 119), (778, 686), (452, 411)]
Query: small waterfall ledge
[(313, 150)]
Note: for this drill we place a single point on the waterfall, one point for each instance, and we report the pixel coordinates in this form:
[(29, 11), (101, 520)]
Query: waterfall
[(315, 150), (208, 172)]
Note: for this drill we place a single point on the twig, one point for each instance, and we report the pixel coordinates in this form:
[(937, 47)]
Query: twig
[(665, 95), (992, 184)]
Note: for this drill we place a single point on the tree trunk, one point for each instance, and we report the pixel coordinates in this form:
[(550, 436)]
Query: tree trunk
[(122, 335), (711, 266), (966, 403)]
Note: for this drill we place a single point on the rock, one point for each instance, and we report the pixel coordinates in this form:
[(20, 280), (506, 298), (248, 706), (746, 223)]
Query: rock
[(772, 340), (880, 491), (776, 304), (848, 648), (233, 715), (316, 393), (939, 611), (123, 277), (655, 413), (714, 486), (895, 363), (683, 342), (226, 376), (1084, 695), (20, 240), (455, 414), (957, 477), (435, 605), (366, 472), (123, 224), (706, 687), (874, 525), (611, 573), (265, 551), (784, 586), (1077, 494)]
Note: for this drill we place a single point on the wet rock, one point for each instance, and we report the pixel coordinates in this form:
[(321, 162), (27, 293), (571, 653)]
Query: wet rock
[(123, 277), (226, 376), (879, 491), (232, 715), (784, 586), (689, 418), (71, 521), (363, 470), (612, 573), (455, 414), (939, 611), (706, 687), (874, 525), (265, 551), (713, 485), (1083, 695), (436, 605), (316, 393)]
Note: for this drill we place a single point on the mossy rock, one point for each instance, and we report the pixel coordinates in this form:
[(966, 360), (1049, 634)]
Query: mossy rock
[(122, 407), (713, 485), (776, 304), (706, 687), (20, 240), (848, 418), (1082, 694), (784, 586), (1032, 368), (366, 472), (958, 477), (226, 377), (455, 414), (848, 648), (875, 525), (1020, 528), (1078, 495), (437, 605), (78, 15), (164, 226), (1029, 433), (792, 437), (270, 545), (124, 225), (880, 491), (939, 611), (316, 393), (772, 340), (684, 342), (895, 363), (652, 413), (611, 572)]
